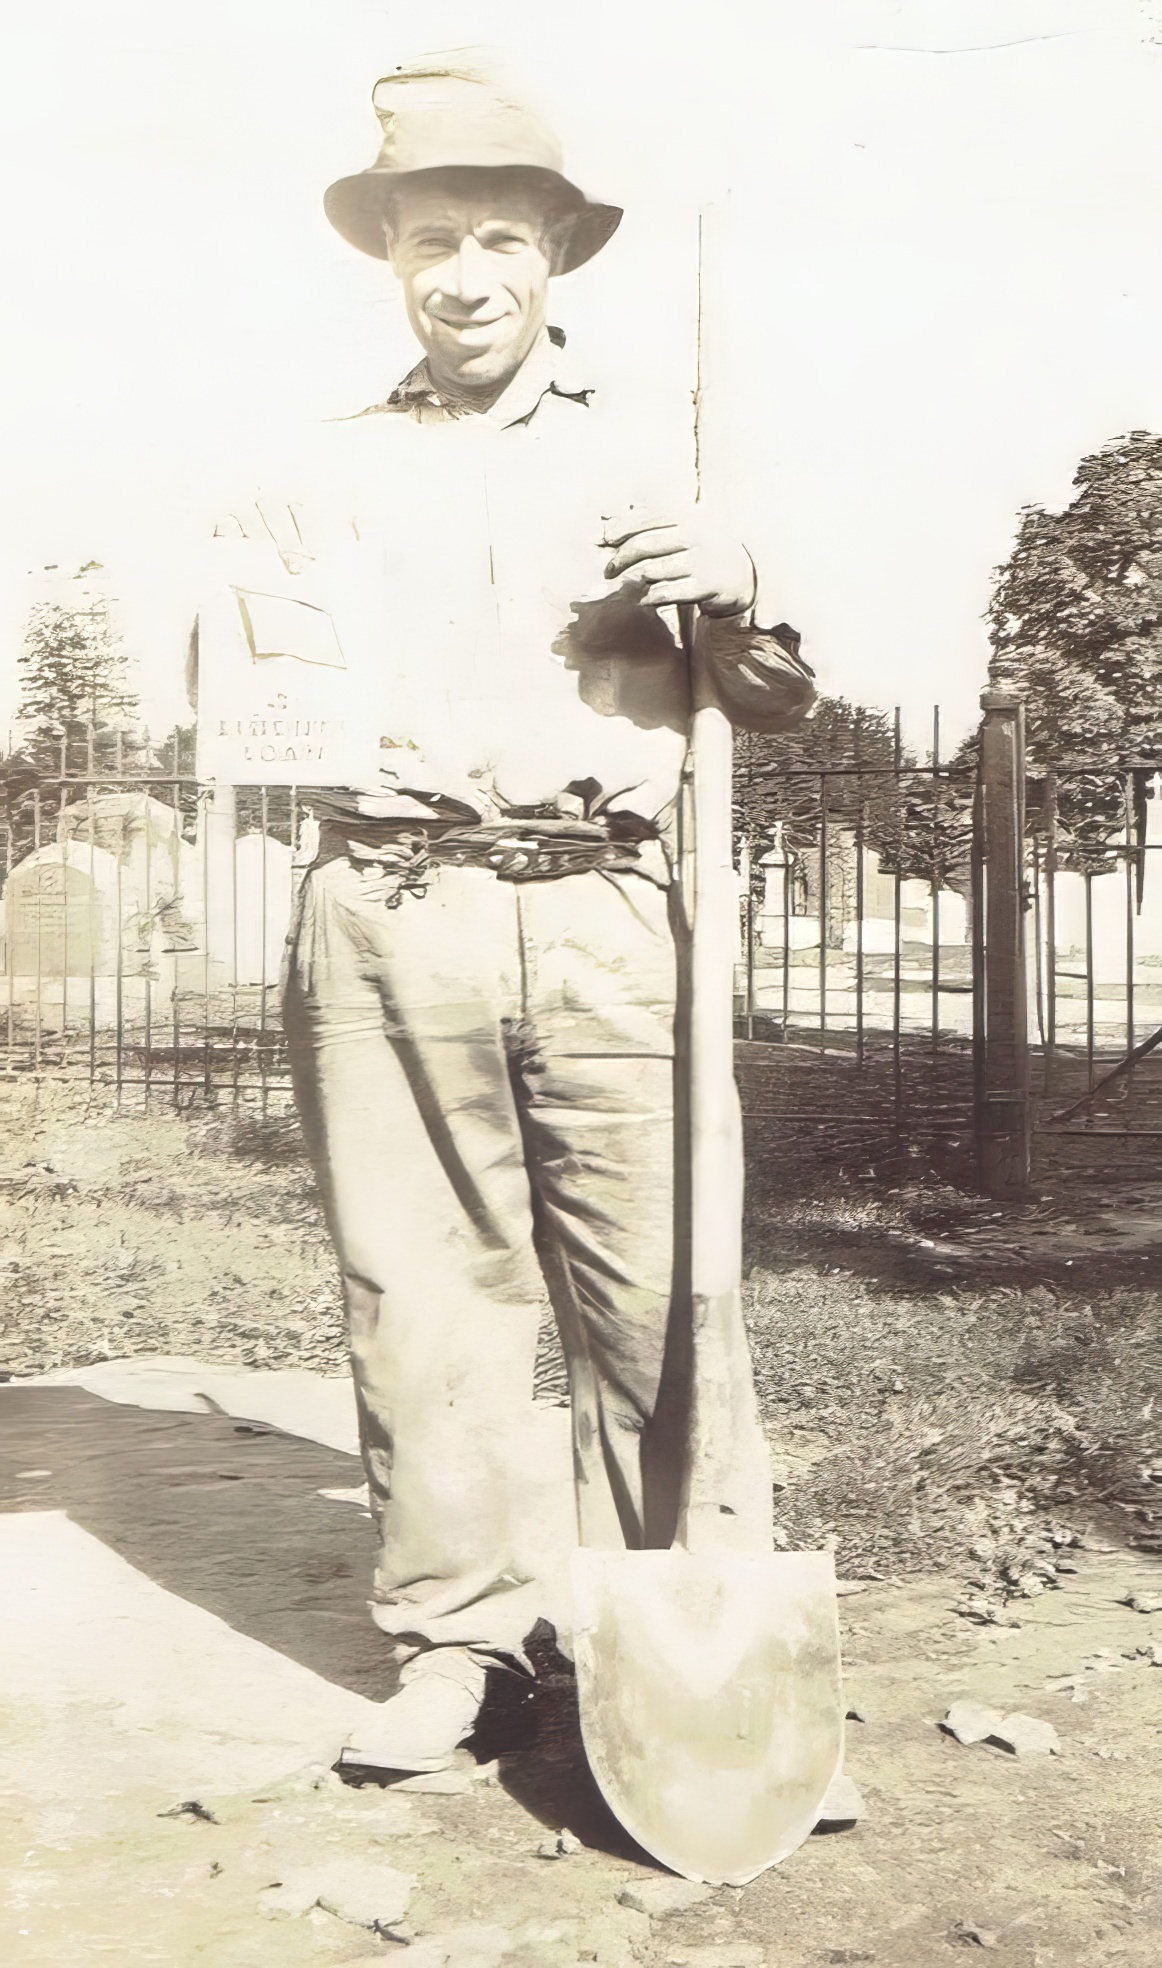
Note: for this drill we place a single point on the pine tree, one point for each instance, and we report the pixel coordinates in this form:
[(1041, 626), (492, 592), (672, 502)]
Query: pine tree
[(75, 679), (77, 712)]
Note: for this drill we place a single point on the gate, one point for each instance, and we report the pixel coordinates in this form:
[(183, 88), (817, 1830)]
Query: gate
[(1038, 1042), (1095, 968)]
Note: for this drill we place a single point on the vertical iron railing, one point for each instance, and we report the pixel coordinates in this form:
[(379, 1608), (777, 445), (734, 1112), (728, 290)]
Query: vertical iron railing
[(899, 941), (860, 896), (1098, 899), (1131, 875), (934, 877), (132, 953), (1003, 1090), (824, 905), (861, 939), (140, 934)]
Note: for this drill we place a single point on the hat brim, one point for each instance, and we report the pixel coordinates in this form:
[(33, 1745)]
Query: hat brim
[(356, 208)]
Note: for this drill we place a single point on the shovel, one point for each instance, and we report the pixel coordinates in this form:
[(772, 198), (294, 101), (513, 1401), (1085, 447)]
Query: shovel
[(708, 1674)]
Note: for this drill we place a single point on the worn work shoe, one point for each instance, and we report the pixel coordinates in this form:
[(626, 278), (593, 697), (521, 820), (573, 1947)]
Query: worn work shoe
[(420, 1728)]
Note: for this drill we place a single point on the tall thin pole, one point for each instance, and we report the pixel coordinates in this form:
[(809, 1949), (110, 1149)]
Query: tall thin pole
[(1050, 926), (726, 1488), (1130, 885), (1004, 1119), (746, 878), (860, 850), (897, 938), (823, 904), (935, 877)]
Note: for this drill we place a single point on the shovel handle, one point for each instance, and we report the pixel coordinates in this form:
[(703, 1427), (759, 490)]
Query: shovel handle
[(726, 1498), (716, 1166)]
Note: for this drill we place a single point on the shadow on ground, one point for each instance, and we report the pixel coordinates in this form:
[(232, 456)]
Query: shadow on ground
[(223, 1513), (226, 1515), (543, 1767)]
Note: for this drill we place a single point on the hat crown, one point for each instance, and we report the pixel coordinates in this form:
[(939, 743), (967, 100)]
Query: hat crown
[(458, 115), (441, 119)]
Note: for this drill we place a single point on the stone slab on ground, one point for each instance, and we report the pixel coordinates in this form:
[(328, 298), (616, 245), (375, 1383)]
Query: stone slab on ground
[(843, 1804), (319, 1407), (183, 1702), (363, 1891), (1025, 1735), (220, 1512), (658, 1897)]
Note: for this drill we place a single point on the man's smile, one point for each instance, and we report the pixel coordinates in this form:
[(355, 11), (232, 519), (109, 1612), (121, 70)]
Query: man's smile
[(462, 323)]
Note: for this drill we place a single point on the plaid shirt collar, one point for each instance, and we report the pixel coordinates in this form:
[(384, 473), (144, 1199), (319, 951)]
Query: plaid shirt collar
[(544, 373)]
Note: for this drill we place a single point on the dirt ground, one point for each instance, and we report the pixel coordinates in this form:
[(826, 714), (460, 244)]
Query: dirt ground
[(963, 1408)]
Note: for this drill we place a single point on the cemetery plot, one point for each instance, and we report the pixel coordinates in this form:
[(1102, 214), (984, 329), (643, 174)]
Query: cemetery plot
[(145, 942)]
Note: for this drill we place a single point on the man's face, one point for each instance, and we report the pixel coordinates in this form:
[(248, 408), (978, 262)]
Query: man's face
[(474, 266)]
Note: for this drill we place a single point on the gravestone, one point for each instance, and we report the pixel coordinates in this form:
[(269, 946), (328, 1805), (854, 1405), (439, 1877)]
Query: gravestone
[(262, 902), (784, 895), (161, 875), (61, 909)]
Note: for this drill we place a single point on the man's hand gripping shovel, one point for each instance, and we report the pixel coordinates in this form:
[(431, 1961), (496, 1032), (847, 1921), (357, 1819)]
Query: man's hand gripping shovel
[(708, 1674)]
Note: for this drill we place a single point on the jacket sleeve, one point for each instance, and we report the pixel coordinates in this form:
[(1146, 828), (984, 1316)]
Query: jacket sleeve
[(761, 680)]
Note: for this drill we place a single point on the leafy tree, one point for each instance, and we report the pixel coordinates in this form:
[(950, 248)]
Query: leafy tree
[(919, 824), (1076, 627), (777, 776)]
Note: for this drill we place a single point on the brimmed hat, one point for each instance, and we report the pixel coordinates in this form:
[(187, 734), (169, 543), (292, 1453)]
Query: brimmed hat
[(451, 120)]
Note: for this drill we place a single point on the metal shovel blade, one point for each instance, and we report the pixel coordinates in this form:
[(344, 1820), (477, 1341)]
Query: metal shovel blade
[(709, 1690)]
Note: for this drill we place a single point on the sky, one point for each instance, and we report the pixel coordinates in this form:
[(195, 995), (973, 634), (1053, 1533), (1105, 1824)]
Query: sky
[(935, 284)]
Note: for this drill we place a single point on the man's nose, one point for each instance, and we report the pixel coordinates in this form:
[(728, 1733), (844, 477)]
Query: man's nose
[(468, 272)]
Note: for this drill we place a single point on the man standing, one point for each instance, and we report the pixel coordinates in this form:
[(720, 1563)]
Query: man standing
[(482, 979)]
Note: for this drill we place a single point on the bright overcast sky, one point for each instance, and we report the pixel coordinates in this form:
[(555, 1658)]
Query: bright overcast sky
[(939, 284)]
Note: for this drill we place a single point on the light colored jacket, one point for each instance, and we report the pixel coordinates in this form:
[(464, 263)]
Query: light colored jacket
[(442, 614)]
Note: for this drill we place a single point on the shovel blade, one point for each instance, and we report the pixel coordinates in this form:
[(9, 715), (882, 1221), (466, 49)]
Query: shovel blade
[(709, 1690)]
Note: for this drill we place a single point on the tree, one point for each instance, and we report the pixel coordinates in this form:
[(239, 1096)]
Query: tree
[(777, 777), (77, 709), (919, 824), (1076, 627), (74, 679)]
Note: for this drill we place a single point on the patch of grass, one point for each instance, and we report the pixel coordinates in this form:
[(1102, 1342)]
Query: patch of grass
[(900, 1415), (940, 1375)]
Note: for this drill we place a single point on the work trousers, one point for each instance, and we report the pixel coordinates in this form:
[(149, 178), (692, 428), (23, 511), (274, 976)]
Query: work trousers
[(485, 1076)]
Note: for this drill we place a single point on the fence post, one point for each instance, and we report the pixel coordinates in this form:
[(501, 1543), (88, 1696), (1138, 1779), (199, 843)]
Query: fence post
[(220, 816), (746, 894), (1003, 1119)]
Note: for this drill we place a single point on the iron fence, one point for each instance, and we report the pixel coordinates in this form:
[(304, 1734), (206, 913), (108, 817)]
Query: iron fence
[(1095, 890), (143, 919), (857, 957), (144, 916)]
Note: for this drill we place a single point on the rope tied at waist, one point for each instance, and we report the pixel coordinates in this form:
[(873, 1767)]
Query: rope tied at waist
[(398, 862)]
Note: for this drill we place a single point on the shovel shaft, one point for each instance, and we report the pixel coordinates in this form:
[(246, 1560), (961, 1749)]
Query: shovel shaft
[(726, 1493), (716, 1165)]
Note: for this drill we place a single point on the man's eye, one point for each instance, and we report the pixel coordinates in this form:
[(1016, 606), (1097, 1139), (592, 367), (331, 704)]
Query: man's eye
[(504, 242)]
